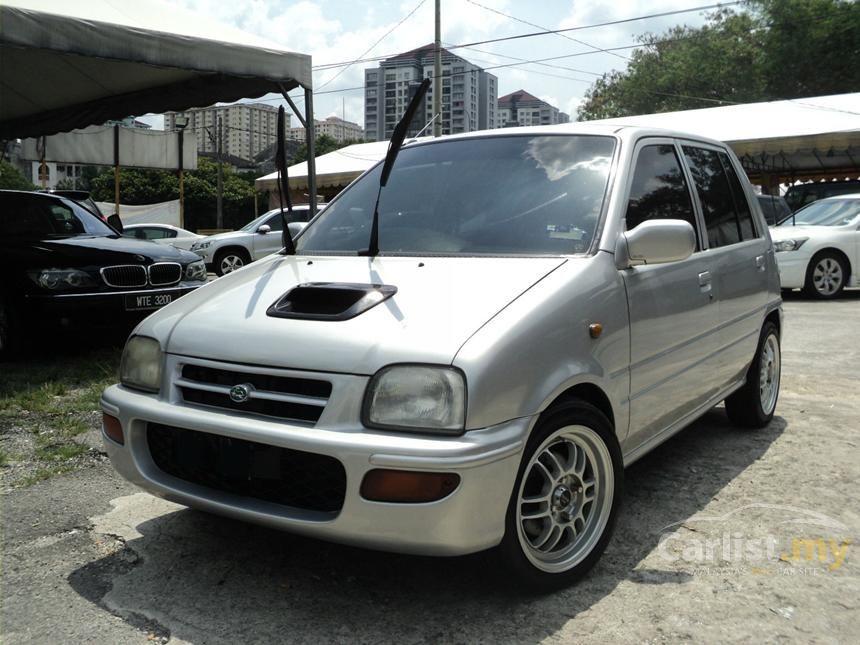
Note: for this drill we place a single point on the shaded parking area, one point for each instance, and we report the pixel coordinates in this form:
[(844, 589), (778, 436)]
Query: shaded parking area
[(725, 535)]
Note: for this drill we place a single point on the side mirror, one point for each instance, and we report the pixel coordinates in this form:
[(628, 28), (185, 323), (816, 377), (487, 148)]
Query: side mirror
[(115, 221), (263, 229), (656, 241), (296, 228)]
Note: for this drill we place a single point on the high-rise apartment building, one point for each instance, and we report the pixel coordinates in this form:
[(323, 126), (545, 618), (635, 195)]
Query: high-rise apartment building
[(247, 128), (333, 127), (521, 108), (468, 94)]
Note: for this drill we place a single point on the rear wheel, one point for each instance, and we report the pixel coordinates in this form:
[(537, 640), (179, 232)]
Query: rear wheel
[(566, 498), (230, 260), (826, 275), (754, 404)]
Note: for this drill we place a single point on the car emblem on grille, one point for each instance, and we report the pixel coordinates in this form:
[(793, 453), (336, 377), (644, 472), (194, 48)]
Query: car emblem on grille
[(241, 393)]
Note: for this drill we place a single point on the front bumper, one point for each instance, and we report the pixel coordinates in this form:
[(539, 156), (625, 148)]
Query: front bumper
[(470, 519), (792, 268), (107, 307)]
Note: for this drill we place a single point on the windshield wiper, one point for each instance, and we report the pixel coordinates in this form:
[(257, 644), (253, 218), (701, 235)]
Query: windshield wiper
[(394, 146), (284, 185)]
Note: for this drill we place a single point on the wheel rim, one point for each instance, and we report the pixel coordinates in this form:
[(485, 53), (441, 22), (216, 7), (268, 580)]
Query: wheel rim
[(827, 276), (231, 263), (565, 499), (769, 367)]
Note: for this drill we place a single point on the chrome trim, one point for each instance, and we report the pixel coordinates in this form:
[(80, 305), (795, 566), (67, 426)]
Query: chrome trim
[(265, 395), (164, 264), (142, 268)]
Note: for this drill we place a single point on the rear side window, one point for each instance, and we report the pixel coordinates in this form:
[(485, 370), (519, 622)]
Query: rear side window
[(742, 207), (715, 194), (659, 190)]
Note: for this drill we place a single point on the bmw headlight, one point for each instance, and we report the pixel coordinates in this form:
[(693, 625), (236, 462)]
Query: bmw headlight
[(199, 246), (59, 279), (140, 367), (420, 398), (196, 271), (789, 245)]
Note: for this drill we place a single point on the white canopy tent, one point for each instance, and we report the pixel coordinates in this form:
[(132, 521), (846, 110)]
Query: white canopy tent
[(777, 141), (336, 168)]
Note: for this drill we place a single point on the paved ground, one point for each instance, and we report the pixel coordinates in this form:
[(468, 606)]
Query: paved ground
[(85, 557)]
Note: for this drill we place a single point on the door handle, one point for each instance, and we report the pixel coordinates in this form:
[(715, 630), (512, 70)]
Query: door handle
[(705, 279), (759, 262)]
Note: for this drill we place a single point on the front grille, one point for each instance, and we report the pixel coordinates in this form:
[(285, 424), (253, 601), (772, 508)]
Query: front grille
[(269, 473), (299, 399), (124, 275), (164, 274)]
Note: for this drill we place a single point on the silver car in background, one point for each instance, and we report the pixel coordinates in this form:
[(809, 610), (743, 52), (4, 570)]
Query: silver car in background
[(547, 305)]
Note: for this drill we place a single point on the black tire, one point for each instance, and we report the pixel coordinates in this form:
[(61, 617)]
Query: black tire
[(745, 407), (229, 260), (529, 567), (826, 276)]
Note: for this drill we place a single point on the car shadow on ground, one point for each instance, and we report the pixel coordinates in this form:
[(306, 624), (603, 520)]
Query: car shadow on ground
[(212, 579)]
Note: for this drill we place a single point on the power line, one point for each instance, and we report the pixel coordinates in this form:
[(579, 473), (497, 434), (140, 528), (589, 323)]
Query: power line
[(531, 24), (369, 49)]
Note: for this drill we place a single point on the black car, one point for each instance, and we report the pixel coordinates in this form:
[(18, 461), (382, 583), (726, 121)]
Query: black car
[(63, 266)]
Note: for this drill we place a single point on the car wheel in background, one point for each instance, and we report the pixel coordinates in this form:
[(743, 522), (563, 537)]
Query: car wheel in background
[(826, 275), (753, 405), (565, 500), (230, 260)]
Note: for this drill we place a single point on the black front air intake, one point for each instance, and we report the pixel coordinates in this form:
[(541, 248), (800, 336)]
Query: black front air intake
[(329, 300)]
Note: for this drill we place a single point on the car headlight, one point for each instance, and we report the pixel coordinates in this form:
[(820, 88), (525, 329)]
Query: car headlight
[(198, 246), (789, 245), (140, 367), (421, 398), (59, 279), (196, 271)]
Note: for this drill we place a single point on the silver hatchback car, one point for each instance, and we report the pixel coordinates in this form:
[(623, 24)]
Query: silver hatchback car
[(546, 306)]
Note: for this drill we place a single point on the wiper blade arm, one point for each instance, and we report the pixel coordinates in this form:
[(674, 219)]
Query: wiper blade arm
[(397, 138)]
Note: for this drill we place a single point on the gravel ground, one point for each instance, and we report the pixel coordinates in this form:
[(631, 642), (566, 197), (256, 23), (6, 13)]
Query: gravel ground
[(726, 535)]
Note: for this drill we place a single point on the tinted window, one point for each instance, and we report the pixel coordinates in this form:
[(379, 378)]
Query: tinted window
[(742, 207), (774, 208), (659, 190), (32, 216), (715, 195), (510, 194)]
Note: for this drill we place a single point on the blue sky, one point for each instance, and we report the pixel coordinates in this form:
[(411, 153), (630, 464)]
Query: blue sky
[(340, 30)]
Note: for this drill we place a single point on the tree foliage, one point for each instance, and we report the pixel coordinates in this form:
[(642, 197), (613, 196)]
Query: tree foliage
[(771, 50), (12, 179), (323, 145)]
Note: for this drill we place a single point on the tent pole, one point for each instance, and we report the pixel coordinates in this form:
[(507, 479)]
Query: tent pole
[(116, 168), (310, 140)]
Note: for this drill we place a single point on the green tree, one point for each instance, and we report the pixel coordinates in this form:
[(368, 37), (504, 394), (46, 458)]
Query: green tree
[(12, 179), (323, 145), (773, 49)]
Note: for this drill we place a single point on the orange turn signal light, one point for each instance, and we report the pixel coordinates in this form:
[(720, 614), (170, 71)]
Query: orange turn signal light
[(113, 428), (407, 486)]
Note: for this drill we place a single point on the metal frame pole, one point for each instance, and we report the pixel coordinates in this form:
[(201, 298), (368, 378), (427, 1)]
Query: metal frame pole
[(310, 143)]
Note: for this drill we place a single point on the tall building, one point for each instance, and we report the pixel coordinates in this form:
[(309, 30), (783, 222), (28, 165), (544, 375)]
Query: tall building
[(333, 127), (247, 128), (521, 108), (468, 94)]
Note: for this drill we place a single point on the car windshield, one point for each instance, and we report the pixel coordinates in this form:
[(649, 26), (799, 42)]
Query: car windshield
[(41, 218), (517, 195), (251, 226), (830, 212)]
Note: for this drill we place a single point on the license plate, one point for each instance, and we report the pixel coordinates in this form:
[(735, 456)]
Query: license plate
[(144, 301)]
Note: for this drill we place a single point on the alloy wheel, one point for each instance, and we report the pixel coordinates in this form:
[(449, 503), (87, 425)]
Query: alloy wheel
[(230, 263), (769, 372), (827, 276)]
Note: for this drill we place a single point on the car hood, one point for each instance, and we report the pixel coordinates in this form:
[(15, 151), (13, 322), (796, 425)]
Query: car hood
[(778, 233), (83, 251), (439, 304), (229, 235)]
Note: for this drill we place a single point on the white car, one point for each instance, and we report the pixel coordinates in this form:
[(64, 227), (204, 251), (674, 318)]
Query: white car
[(818, 248), (162, 234), (227, 252)]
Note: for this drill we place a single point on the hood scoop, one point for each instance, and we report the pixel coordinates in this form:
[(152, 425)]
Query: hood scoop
[(329, 300)]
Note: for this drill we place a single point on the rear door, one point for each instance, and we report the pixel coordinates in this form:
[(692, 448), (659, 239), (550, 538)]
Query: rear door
[(674, 315), (738, 251)]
